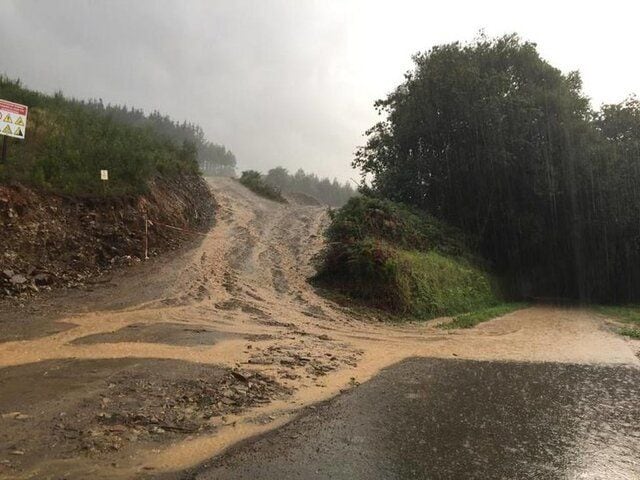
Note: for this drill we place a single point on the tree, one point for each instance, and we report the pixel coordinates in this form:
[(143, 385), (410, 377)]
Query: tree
[(491, 138)]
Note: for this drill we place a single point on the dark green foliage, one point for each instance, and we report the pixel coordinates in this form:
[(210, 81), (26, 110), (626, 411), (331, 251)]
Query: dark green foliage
[(492, 139), (68, 142), (402, 261), (363, 217), (331, 193), (254, 181), (471, 319)]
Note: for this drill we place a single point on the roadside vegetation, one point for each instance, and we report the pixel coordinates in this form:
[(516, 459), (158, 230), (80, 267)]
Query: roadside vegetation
[(69, 141), (490, 163), (401, 260), (254, 181), (629, 314), (326, 191), (491, 138), (471, 319)]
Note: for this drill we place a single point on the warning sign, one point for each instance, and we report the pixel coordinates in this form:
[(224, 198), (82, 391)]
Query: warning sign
[(13, 119)]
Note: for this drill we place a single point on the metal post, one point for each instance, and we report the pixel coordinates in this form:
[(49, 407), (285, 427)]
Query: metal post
[(146, 238), (5, 145)]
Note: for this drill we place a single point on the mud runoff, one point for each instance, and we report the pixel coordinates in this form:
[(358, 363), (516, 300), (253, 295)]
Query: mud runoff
[(167, 365), (99, 408), (167, 333)]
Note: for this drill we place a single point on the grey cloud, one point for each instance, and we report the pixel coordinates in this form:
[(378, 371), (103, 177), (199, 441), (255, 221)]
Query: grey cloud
[(256, 75)]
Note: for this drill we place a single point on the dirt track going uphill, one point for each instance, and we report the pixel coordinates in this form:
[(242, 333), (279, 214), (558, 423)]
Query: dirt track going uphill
[(170, 363)]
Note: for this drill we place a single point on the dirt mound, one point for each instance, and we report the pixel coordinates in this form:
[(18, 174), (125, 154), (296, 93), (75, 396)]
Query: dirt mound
[(52, 240)]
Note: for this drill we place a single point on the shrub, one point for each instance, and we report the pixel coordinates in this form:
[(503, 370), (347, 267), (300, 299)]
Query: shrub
[(396, 259), (255, 182)]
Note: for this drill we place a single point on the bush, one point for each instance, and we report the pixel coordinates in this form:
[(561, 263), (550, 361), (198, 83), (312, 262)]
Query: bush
[(255, 182), (398, 260)]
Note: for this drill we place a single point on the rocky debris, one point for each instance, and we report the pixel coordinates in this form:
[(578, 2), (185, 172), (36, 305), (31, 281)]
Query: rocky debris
[(295, 359), (151, 409), (51, 241)]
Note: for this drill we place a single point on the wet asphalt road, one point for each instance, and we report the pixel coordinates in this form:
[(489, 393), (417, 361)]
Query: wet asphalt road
[(457, 419)]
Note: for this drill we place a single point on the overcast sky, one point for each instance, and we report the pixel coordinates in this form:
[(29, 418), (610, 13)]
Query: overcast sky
[(291, 82)]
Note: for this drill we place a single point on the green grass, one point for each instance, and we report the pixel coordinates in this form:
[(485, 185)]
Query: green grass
[(433, 284), (626, 314), (471, 319), (68, 142), (254, 181), (632, 332), (403, 261)]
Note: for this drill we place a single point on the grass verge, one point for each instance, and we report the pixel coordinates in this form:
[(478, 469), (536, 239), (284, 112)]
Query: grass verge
[(625, 314), (471, 319)]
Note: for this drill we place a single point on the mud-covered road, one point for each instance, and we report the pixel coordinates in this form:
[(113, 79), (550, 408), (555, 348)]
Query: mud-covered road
[(166, 365)]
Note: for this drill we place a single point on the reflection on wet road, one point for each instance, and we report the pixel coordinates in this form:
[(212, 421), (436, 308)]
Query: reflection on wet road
[(458, 419)]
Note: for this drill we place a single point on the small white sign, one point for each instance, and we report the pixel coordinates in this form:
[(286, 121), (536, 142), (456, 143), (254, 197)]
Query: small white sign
[(13, 119), (104, 174)]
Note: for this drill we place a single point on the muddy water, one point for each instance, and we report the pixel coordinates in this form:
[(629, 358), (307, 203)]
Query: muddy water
[(241, 300)]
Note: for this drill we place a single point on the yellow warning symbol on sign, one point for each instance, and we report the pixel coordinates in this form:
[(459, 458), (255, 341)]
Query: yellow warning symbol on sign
[(18, 131), (19, 122), (7, 129), (8, 119)]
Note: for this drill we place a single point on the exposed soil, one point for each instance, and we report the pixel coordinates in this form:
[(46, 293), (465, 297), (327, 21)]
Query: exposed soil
[(50, 240), (243, 289), (99, 407), (168, 333)]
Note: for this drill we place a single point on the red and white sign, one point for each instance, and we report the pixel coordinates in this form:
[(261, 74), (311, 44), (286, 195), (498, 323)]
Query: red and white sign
[(13, 119)]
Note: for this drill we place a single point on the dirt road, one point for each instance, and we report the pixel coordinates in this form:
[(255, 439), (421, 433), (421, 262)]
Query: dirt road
[(167, 365)]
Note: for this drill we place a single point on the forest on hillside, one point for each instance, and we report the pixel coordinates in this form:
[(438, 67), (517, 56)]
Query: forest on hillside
[(329, 192), (490, 138), (69, 141)]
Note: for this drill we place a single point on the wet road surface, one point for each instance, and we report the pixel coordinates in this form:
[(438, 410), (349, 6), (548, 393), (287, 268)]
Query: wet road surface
[(458, 419)]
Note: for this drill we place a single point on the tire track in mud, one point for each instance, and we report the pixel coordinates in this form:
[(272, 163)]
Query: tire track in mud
[(245, 288)]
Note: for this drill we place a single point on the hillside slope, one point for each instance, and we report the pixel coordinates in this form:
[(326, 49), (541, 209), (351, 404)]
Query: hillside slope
[(52, 240)]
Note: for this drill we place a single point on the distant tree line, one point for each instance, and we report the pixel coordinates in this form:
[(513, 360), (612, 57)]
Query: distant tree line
[(212, 158), (494, 140), (332, 193)]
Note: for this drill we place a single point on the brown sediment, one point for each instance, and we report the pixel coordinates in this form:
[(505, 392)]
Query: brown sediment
[(241, 301)]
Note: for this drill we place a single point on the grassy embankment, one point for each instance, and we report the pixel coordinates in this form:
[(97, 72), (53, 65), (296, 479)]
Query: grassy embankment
[(68, 142), (255, 182), (471, 319), (629, 314), (407, 263)]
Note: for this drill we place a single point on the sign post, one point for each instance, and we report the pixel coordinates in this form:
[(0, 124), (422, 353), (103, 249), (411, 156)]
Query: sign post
[(104, 176), (5, 145), (13, 123)]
